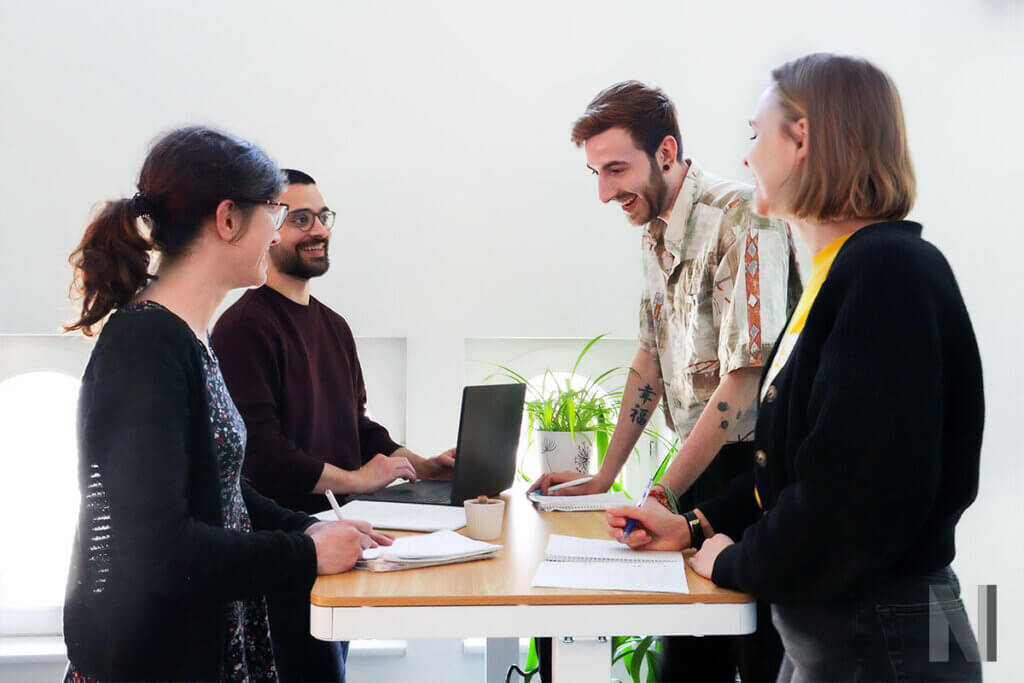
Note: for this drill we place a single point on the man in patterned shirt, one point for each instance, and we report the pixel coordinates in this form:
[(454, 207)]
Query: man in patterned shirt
[(719, 284)]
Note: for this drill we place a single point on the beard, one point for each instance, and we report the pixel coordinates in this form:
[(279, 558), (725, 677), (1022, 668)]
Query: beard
[(654, 194), (292, 261)]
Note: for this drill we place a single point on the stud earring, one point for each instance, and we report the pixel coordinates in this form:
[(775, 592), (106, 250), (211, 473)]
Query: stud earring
[(666, 167)]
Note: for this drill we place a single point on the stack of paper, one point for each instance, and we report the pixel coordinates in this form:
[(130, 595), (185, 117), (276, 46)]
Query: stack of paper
[(428, 550), (595, 501), (571, 562), (403, 516)]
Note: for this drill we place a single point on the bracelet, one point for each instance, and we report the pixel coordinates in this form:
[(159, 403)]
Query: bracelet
[(664, 495), (696, 530)]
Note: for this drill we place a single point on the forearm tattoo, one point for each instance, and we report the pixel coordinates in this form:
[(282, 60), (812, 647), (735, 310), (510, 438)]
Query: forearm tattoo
[(639, 415), (723, 407)]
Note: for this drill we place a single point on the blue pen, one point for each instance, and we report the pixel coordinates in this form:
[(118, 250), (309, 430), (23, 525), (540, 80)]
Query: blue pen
[(631, 523)]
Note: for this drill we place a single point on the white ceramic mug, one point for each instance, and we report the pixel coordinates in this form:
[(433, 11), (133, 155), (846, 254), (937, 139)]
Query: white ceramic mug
[(484, 517)]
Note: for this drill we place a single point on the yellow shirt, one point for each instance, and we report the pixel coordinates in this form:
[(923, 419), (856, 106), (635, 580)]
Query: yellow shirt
[(821, 263)]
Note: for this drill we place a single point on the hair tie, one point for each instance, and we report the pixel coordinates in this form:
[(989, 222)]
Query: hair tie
[(142, 204)]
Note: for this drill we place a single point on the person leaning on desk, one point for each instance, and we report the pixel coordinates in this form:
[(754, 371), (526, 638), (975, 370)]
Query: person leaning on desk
[(173, 552), (869, 431)]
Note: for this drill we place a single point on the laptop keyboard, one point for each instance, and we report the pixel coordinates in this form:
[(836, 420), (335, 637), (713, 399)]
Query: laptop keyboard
[(434, 498), (425, 492)]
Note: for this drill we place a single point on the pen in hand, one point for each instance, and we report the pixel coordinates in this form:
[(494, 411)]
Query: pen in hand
[(570, 484), (631, 522), (334, 503)]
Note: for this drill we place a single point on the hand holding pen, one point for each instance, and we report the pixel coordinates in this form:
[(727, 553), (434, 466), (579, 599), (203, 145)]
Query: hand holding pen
[(374, 537), (652, 528)]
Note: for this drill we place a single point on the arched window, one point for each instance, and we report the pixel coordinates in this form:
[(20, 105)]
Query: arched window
[(38, 495)]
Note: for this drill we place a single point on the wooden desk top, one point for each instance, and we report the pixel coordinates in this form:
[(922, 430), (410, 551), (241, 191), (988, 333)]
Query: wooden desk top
[(506, 578)]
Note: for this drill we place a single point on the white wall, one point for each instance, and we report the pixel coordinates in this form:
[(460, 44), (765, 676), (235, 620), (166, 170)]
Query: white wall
[(439, 132)]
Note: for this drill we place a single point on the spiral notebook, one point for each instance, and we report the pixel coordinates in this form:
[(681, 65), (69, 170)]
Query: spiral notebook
[(593, 564), (594, 501)]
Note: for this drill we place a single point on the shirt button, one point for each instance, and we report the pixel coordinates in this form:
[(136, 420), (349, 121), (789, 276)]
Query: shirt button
[(771, 394), (761, 457)]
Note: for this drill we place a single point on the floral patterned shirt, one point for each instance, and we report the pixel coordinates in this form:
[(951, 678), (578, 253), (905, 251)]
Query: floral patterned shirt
[(719, 284)]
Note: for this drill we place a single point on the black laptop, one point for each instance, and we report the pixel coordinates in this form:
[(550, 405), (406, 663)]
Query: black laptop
[(485, 454)]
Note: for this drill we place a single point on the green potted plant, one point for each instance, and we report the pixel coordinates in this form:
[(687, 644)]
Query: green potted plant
[(569, 420)]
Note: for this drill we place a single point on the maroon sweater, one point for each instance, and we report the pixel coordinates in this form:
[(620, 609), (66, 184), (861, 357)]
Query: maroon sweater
[(293, 372)]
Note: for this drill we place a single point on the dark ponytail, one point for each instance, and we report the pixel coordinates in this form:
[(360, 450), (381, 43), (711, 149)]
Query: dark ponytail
[(186, 175), (111, 263)]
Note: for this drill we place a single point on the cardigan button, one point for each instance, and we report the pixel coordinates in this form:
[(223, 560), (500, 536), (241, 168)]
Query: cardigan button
[(771, 394), (761, 457)]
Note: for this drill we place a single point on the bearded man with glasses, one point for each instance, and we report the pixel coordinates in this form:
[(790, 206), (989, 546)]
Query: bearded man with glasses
[(291, 367)]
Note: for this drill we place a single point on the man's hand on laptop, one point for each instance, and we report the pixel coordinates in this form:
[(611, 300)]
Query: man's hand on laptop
[(439, 468), (381, 471), (546, 481)]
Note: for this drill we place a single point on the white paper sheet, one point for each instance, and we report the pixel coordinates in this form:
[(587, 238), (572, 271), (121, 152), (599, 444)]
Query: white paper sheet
[(401, 516), (659, 577), (596, 501), (440, 545)]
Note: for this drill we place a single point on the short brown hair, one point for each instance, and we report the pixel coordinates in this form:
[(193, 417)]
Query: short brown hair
[(645, 111), (858, 163)]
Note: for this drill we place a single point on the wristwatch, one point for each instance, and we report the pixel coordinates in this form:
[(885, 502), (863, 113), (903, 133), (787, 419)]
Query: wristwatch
[(696, 530)]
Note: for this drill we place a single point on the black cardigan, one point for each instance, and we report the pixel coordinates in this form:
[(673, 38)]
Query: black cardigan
[(152, 568), (868, 441)]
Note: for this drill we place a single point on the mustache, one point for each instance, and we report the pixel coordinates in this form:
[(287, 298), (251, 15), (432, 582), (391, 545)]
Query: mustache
[(312, 243), (624, 197)]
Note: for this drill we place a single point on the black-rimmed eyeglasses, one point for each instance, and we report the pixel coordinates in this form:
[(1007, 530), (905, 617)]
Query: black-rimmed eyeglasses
[(303, 219)]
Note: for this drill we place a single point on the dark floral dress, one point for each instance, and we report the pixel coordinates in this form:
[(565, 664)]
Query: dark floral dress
[(248, 654)]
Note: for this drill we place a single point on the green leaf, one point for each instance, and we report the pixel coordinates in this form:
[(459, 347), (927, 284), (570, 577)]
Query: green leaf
[(623, 649), (584, 351), (638, 658), (512, 374), (531, 657)]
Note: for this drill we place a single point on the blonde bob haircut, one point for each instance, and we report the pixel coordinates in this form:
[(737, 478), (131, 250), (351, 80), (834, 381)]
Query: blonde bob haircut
[(858, 165)]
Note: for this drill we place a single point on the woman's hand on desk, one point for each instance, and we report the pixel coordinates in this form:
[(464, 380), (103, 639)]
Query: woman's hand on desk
[(339, 544), (704, 561), (657, 528)]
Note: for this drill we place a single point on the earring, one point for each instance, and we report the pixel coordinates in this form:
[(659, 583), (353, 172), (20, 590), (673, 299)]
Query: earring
[(666, 167)]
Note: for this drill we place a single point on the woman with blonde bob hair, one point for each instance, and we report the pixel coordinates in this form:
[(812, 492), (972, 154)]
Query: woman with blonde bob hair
[(871, 408)]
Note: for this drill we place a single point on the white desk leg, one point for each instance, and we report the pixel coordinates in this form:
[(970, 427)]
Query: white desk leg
[(581, 660), (499, 655)]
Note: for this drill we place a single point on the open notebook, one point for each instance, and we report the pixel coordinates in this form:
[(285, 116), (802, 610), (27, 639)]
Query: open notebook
[(595, 501), (571, 562), (427, 550)]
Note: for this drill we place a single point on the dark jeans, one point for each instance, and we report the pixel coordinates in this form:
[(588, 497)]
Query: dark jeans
[(756, 656), (885, 635), (300, 657)]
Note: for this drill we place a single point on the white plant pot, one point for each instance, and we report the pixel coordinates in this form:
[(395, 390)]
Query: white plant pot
[(558, 452)]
